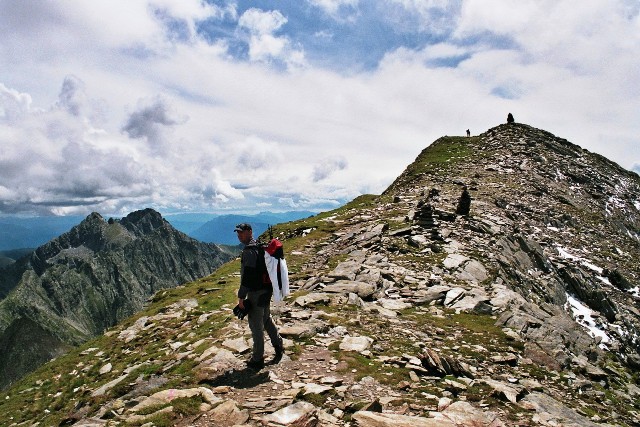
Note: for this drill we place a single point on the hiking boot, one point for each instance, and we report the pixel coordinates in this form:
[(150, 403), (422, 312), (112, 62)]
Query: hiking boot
[(277, 357), (256, 365)]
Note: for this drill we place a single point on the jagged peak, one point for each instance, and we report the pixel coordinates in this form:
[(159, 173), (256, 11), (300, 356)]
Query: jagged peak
[(143, 221), (94, 216)]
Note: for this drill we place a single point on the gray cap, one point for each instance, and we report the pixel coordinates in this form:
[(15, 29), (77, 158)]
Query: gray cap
[(242, 227)]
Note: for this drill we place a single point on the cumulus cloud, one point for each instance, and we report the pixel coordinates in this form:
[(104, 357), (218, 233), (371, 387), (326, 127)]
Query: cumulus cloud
[(327, 167), (264, 45), (150, 119), (255, 153), (13, 103)]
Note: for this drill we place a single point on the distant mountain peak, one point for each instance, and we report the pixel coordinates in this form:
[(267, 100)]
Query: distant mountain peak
[(143, 221)]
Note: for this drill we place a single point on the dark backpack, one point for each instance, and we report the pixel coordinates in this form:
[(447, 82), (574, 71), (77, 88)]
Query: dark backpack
[(275, 249)]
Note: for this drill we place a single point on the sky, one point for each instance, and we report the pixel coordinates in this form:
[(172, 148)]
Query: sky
[(248, 106)]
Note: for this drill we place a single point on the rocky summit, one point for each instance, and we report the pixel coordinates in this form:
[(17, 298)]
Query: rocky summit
[(87, 280), (494, 283)]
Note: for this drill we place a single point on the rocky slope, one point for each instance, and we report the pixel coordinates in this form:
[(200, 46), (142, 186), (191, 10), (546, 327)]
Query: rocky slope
[(87, 280), (522, 312)]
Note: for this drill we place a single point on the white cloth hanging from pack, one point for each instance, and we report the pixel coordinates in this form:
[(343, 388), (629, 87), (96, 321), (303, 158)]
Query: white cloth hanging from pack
[(280, 290)]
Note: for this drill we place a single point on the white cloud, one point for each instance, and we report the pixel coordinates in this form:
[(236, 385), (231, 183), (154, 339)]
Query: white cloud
[(157, 114), (332, 7), (153, 121), (432, 16), (260, 22), (263, 44), (13, 103), (328, 166)]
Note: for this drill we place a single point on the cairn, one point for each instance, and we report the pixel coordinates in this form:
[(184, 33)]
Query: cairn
[(425, 218)]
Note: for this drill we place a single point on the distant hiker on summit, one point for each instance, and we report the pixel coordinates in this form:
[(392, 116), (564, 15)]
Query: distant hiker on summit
[(468, 133), (510, 118), (254, 297)]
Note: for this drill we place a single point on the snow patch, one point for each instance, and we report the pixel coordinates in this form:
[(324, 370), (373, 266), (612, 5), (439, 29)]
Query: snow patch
[(591, 266), (566, 255), (583, 315), (635, 291)]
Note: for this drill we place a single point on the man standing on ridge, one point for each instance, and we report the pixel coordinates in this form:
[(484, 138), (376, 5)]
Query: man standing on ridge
[(254, 296)]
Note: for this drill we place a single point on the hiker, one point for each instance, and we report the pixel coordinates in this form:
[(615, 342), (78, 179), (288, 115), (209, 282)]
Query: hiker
[(468, 133), (464, 203), (254, 296), (510, 118)]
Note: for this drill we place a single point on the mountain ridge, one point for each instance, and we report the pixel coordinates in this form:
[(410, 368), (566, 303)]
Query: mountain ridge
[(220, 229), (522, 311), (77, 285), (31, 232)]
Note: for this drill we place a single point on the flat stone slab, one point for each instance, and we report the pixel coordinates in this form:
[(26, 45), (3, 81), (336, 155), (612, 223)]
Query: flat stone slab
[(300, 413), (239, 345), (305, 328), (473, 272), (377, 419), (166, 396), (362, 289), (359, 343), (394, 304), (454, 260), (313, 299)]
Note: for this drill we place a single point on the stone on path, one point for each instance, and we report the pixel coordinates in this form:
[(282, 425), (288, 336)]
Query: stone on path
[(359, 343), (462, 413), (302, 329), (376, 419), (227, 414), (300, 414), (239, 345), (394, 304), (363, 289), (313, 299), (311, 388), (166, 396)]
